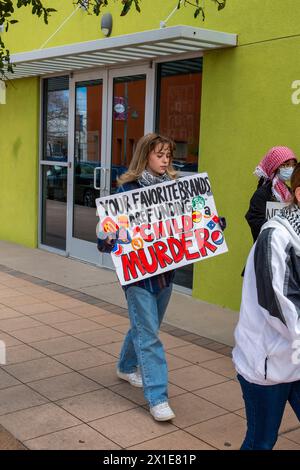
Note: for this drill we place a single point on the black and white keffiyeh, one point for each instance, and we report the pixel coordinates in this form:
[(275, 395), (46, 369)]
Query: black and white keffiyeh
[(269, 318), (147, 179), (292, 214)]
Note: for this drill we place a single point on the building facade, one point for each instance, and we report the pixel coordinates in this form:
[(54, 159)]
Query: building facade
[(225, 90)]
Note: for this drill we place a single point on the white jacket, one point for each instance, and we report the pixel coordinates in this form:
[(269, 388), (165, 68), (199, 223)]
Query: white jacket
[(267, 349)]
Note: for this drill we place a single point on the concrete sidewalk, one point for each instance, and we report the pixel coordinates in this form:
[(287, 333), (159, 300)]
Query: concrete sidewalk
[(184, 311), (59, 390)]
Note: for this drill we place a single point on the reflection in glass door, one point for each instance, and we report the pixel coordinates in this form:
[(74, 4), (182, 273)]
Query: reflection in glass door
[(53, 164), (178, 116), (128, 122), (109, 115), (87, 158), (54, 206)]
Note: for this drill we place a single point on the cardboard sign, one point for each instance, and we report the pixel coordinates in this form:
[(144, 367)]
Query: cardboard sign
[(273, 207), (161, 227)]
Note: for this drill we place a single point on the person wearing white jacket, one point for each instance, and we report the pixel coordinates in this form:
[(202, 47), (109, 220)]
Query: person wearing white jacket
[(267, 350)]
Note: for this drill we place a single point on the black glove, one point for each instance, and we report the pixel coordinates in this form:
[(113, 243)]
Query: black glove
[(106, 245), (223, 223)]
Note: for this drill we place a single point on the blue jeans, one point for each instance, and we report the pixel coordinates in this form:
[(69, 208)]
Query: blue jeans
[(265, 406), (142, 346)]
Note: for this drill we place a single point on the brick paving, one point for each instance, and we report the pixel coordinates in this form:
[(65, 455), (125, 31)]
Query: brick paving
[(59, 390)]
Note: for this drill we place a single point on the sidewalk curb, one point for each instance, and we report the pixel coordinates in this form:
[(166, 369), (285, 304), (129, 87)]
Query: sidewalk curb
[(9, 442)]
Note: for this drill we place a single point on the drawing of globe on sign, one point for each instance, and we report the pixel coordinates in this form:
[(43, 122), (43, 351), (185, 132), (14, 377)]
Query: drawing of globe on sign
[(198, 203)]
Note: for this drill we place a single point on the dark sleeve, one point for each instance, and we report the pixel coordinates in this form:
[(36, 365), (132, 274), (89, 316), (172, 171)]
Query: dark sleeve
[(121, 189), (256, 215), (105, 246), (223, 223)]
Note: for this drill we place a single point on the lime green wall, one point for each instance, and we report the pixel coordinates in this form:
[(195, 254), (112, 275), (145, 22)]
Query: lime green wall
[(253, 20), (19, 169), (246, 108)]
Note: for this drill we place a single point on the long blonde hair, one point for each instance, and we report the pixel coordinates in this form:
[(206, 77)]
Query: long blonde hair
[(140, 157)]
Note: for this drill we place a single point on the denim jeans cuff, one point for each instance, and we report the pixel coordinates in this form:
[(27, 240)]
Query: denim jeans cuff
[(158, 402), (131, 371)]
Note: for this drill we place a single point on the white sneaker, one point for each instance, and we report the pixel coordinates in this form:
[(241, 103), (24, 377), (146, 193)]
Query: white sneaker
[(134, 378), (162, 412)]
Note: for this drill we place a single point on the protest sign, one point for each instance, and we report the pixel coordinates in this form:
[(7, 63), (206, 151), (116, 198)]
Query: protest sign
[(273, 207), (161, 227)]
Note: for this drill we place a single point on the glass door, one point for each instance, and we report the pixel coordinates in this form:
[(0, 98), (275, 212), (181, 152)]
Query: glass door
[(86, 172), (178, 110), (109, 115), (54, 164), (128, 122), (130, 116)]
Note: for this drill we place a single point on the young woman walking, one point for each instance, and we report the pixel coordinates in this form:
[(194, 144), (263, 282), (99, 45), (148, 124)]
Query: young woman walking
[(267, 350), (142, 360)]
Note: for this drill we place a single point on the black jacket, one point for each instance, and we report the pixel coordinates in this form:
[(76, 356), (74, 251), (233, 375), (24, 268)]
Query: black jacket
[(256, 215)]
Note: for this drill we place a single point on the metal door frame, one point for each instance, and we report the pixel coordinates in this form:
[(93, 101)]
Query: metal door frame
[(78, 248)]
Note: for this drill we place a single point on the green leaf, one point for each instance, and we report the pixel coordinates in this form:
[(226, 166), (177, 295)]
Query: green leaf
[(127, 6), (198, 11), (221, 4), (137, 6)]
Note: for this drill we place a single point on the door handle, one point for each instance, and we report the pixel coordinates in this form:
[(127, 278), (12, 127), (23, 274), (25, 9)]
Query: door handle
[(107, 172), (103, 172), (98, 168)]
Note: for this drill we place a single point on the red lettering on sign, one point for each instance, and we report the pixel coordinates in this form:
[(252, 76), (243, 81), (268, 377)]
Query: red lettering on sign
[(163, 258), (130, 262), (174, 245), (202, 235), (150, 266)]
